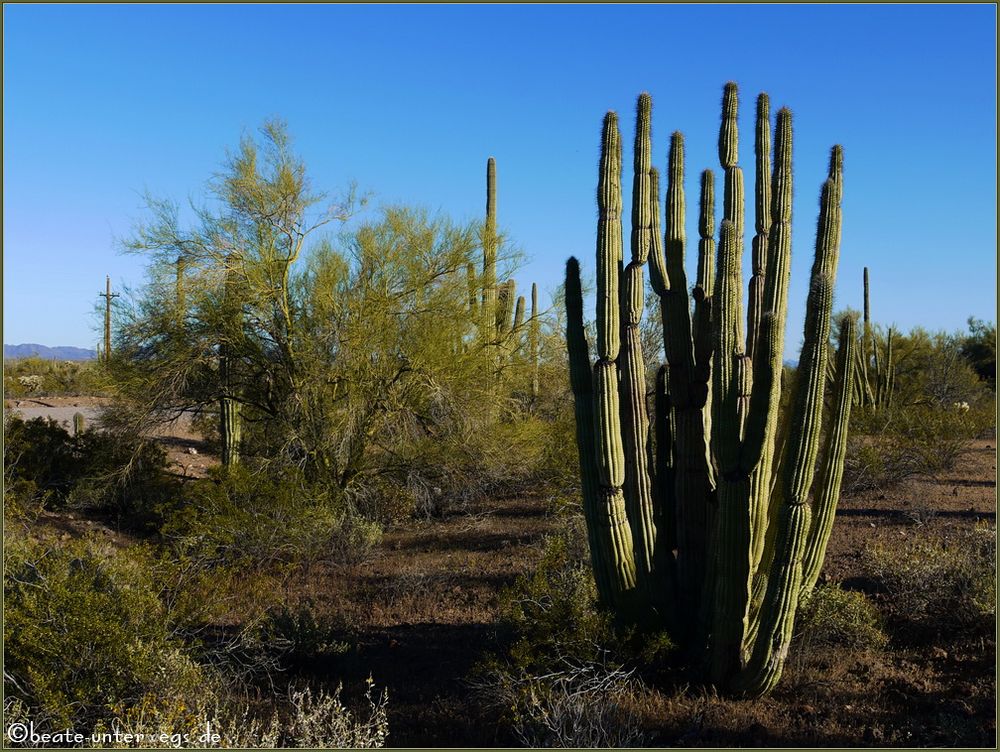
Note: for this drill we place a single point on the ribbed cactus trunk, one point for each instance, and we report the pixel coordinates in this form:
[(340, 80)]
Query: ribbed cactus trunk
[(534, 341), (713, 504), (867, 351), (230, 422), (489, 313), (78, 424), (600, 438)]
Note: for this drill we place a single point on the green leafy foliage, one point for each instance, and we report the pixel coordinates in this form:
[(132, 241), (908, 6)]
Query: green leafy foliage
[(40, 377), (834, 617), (238, 517), (940, 584), (91, 469), (84, 629), (979, 347)]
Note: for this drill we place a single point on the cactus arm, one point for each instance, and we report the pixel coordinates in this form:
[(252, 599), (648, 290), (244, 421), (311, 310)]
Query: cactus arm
[(518, 314), (581, 384), (761, 432), (732, 543), (825, 504), (635, 419), (692, 467), (470, 274), (762, 221), (785, 580), (179, 289), (230, 428), (490, 242), (613, 527)]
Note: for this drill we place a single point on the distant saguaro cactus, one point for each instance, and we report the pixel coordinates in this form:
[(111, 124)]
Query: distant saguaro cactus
[(717, 533), (230, 422), (78, 424)]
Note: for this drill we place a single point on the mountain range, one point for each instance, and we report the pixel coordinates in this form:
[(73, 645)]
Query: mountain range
[(62, 352)]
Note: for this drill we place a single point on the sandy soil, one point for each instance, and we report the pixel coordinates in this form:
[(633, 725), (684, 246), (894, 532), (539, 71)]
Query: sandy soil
[(187, 455)]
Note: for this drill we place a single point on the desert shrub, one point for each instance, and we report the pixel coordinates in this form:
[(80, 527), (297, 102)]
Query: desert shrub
[(83, 630), (553, 613), (578, 707), (979, 348), (259, 519), (311, 720), (891, 444), (95, 470), (833, 617), (432, 476), (939, 583), (299, 636), (40, 377), (567, 677)]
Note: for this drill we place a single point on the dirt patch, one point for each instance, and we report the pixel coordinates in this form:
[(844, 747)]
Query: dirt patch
[(188, 456)]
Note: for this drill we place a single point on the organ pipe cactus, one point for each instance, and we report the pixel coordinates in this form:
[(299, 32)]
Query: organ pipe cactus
[(719, 530)]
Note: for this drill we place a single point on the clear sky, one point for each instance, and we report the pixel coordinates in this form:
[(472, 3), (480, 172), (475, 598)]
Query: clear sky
[(104, 102)]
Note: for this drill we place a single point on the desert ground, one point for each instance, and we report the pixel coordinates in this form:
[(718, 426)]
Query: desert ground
[(422, 611)]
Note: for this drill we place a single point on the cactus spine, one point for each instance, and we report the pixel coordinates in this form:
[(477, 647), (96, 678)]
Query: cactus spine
[(736, 505)]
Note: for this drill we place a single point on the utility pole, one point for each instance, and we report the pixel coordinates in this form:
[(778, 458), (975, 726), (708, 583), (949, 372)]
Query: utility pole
[(107, 295)]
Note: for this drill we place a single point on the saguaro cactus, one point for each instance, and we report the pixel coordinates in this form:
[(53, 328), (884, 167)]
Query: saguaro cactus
[(875, 387), (78, 423), (230, 422), (719, 536), (534, 340)]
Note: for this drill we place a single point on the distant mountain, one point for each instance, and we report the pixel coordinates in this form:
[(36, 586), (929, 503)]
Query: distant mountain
[(48, 353)]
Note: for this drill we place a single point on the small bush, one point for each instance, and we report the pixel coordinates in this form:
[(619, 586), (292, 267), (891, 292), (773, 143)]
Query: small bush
[(263, 519), (298, 636), (944, 584), (567, 679), (554, 613), (311, 720), (832, 617), (95, 470), (83, 630), (578, 707), (892, 444)]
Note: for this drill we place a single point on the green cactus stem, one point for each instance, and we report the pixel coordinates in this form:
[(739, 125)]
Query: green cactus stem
[(230, 422), (534, 340), (716, 527), (78, 424)]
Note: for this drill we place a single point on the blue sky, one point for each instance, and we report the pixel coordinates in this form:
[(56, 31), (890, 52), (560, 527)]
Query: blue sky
[(104, 102)]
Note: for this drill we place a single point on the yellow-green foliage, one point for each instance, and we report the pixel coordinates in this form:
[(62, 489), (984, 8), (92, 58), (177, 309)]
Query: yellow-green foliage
[(890, 444), (312, 720), (949, 583), (554, 612), (834, 617), (84, 629), (239, 517), (39, 377)]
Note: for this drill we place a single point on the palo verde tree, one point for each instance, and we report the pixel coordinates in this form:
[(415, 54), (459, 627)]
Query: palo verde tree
[(716, 528), (332, 349)]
